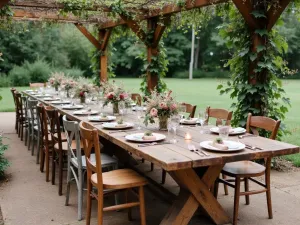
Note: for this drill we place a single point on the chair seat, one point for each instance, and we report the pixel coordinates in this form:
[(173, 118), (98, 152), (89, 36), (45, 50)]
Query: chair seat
[(65, 146), (106, 161), (120, 179), (243, 169)]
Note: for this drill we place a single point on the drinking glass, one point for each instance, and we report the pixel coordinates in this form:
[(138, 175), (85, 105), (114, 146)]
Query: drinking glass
[(139, 113), (174, 123), (182, 110), (121, 108)]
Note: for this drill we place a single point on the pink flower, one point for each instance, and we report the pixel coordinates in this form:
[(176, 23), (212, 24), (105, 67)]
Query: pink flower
[(81, 94), (153, 112), (163, 105), (123, 96), (110, 95), (173, 107)]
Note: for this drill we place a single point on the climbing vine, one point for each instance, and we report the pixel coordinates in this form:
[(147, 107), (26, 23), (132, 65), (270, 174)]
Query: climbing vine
[(260, 92)]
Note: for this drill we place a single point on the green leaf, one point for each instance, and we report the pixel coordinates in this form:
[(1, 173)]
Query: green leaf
[(261, 32), (253, 56), (260, 48), (244, 52), (220, 86), (258, 14)]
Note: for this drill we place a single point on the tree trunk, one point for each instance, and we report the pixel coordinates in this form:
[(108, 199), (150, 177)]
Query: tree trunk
[(197, 54)]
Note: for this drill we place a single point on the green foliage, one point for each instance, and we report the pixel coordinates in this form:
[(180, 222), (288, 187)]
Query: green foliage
[(265, 96), (19, 76), (73, 72), (3, 162), (38, 71), (199, 73), (5, 81)]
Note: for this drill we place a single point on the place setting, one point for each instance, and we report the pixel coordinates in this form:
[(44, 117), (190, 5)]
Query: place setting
[(101, 118), (86, 112), (72, 107)]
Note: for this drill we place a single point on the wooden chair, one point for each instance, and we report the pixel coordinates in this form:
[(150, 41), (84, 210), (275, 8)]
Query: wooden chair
[(77, 162), (59, 143), (21, 119), (27, 117), (34, 127), (219, 114), (116, 180), (46, 146), (37, 85), (13, 90), (246, 170), (191, 109), (137, 98)]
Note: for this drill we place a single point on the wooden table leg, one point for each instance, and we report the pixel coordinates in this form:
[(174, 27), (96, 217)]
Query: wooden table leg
[(195, 192)]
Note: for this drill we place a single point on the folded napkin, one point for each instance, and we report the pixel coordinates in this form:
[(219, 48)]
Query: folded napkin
[(121, 125), (218, 146), (149, 138)]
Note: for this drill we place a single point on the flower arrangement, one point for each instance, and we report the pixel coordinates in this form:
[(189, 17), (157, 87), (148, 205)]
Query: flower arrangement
[(56, 79), (161, 106), (114, 94), (68, 84), (83, 88)]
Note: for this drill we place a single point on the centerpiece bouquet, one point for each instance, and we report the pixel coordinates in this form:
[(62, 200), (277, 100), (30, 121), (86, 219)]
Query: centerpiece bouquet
[(115, 94), (68, 84), (161, 106), (83, 88), (56, 79)]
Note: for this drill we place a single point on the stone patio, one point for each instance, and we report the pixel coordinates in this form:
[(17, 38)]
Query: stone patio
[(27, 199)]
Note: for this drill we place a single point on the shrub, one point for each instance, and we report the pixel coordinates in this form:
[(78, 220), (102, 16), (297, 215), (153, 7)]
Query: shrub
[(202, 74), (73, 72), (3, 162), (4, 81), (19, 76), (38, 71)]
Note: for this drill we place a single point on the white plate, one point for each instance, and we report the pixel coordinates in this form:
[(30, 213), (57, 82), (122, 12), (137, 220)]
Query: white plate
[(234, 131), (43, 96), (191, 121), (51, 99), (60, 102), (144, 108), (101, 119), (133, 104), (233, 146), (114, 126), (138, 137), (85, 112), (70, 107)]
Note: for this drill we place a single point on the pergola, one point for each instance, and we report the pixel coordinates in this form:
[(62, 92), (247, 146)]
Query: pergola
[(157, 19)]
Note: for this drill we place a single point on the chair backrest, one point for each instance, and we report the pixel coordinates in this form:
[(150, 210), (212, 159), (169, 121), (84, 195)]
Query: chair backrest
[(19, 103), (54, 122), (262, 122), (13, 90), (41, 114), (35, 85), (90, 139), (25, 107), (191, 109), (137, 98), (219, 114), (32, 107), (72, 133)]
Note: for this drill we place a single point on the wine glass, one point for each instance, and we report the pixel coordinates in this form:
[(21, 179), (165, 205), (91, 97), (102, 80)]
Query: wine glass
[(121, 108), (139, 114), (174, 123)]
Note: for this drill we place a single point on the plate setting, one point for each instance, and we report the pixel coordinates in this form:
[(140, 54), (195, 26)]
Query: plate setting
[(60, 102), (142, 138), (51, 99), (191, 121), (117, 126), (101, 118), (85, 112), (232, 131), (71, 107), (233, 146)]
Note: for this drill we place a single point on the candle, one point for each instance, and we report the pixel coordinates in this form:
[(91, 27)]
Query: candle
[(187, 136)]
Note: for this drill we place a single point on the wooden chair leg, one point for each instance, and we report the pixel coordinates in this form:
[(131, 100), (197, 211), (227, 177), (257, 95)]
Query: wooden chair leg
[(225, 186), (100, 210), (53, 166), (88, 202), (247, 197), (22, 131), (163, 176), (127, 200), (39, 149), (47, 158), (152, 167), (268, 184), (236, 200), (216, 188), (142, 205), (42, 160), (143, 160), (60, 172)]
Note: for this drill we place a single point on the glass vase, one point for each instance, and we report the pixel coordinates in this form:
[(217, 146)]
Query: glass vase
[(116, 110), (163, 123)]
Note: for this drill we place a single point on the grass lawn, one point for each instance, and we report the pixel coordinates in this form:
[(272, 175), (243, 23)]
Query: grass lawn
[(202, 92)]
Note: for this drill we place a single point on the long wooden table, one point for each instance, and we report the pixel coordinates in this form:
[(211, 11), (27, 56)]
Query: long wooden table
[(194, 174)]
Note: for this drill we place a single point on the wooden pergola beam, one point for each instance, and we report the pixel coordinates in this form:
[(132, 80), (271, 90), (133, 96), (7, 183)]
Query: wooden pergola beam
[(274, 13), (105, 38), (89, 36), (245, 8), (135, 27), (159, 30)]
